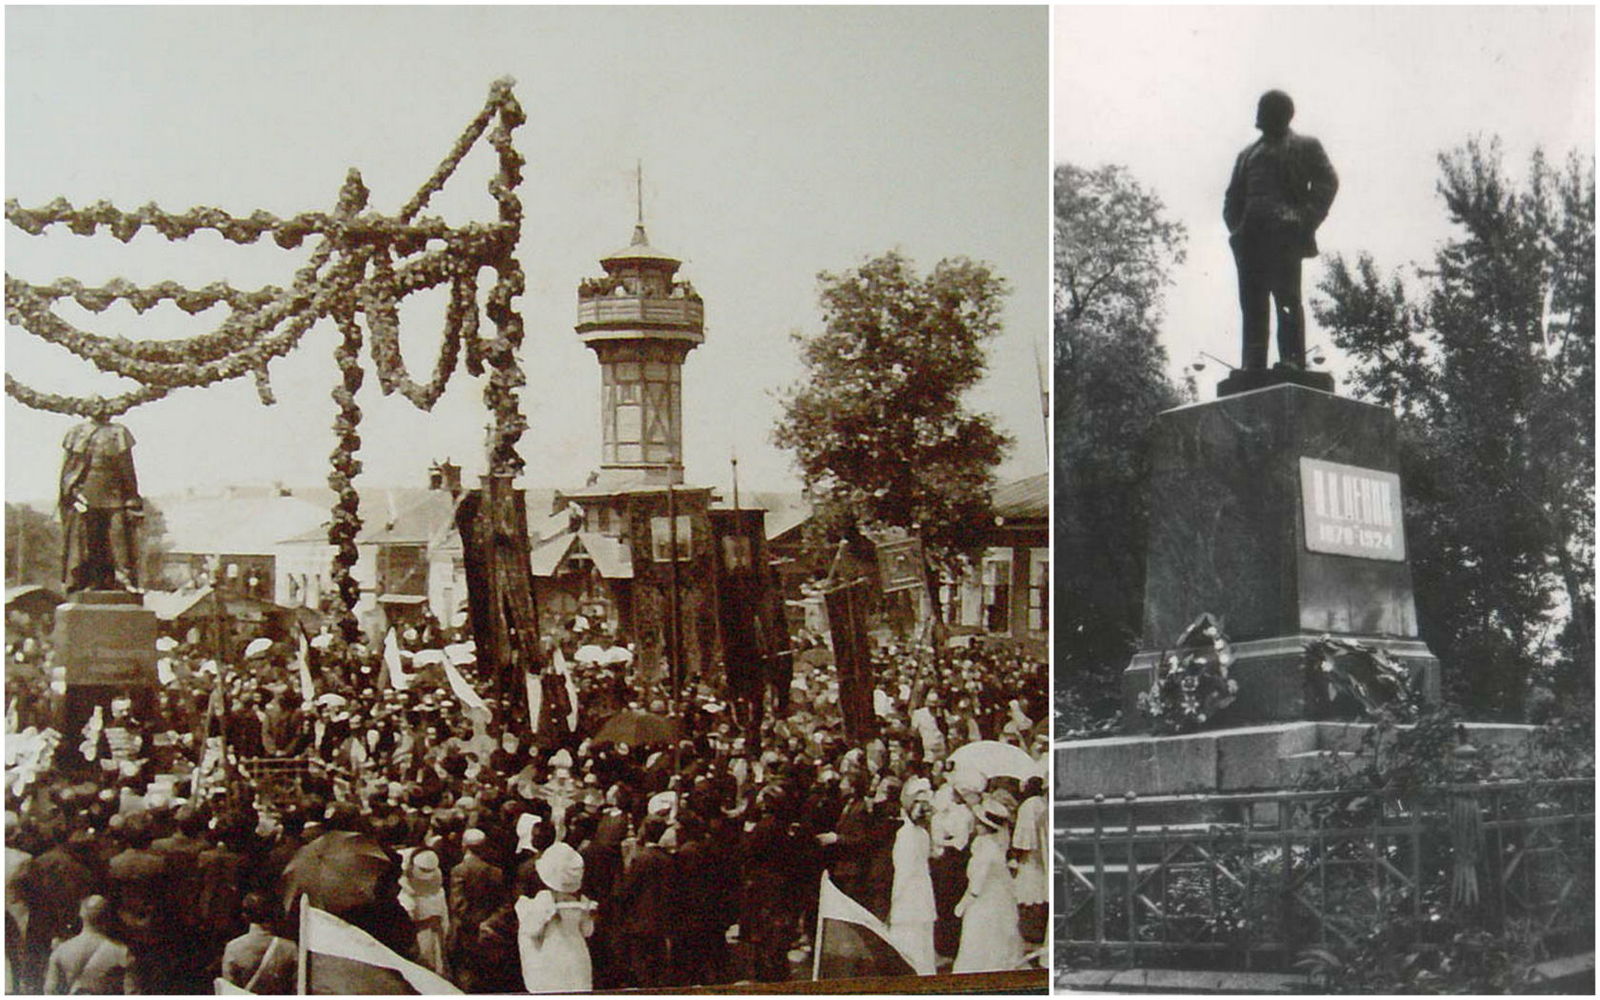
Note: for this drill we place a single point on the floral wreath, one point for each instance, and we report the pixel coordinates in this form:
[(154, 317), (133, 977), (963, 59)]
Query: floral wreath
[(1190, 683), (1365, 675)]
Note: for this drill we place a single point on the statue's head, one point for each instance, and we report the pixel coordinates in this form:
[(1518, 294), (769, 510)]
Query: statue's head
[(1274, 111)]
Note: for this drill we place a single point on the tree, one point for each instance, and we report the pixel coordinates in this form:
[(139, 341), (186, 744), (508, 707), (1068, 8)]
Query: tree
[(33, 547), (878, 426), (1490, 365), (1114, 251)]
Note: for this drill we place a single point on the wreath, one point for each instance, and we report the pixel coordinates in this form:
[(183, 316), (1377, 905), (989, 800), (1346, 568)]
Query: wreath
[(1366, 676), (1190, 683)]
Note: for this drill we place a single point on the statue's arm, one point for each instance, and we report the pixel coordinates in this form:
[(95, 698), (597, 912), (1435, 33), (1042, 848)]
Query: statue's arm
[(1233, 200), (125, 471), (1324, 183)]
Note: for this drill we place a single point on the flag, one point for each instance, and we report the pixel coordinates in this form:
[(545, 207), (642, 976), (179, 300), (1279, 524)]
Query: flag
[(535, 699), (572, 689), (470, 700), (222, 988), (308, 691), (847, 620), (851, 942), (339, 958), (391, 659)]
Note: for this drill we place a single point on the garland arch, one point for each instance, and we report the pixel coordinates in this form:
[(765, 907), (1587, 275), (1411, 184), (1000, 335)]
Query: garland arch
[(363, 265)]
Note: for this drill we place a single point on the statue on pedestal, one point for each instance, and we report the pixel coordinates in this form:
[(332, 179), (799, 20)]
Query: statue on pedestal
[(100, 508), (1281, 189)]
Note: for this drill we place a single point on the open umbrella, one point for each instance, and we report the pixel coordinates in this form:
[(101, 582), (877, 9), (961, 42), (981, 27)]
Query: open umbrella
[(338, 871), (994, 759), (637, 728)]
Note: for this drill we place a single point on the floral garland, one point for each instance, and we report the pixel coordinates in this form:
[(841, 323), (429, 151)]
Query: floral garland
[(267, 323), (500, 394), (1190, 684)]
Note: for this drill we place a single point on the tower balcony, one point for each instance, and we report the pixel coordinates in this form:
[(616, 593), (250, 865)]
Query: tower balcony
[(679, 314)]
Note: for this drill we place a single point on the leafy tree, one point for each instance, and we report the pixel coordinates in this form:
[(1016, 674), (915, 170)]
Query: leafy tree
[(878, 426), (1114, 251), (1490, 365), (33, 547)]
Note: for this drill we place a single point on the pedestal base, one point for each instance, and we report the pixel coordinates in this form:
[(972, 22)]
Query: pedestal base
[(1242, 759), (1245, 380), (1274, 685), (106, 643)]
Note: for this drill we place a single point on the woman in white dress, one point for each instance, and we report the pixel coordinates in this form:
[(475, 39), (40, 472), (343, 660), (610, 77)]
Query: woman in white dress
[(911, 905), (990, 939), (1030, 841), (422, 895), (554, 925)]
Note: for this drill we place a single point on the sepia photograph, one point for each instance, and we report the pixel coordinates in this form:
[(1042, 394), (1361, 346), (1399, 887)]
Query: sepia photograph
[(518, 500), (1323, 499)]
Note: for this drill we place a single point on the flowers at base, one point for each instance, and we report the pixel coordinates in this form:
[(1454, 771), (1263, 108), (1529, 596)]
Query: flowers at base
[(1190, 683), (1365, 677)]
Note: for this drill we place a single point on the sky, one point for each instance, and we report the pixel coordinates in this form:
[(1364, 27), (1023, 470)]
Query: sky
[(775, 143), (1170, 93)]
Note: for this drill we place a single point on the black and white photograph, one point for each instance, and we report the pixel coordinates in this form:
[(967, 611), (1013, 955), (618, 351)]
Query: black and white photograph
[(1323, 499), (507, 500)]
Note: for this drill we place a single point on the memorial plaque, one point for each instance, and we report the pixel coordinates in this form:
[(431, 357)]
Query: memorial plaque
[(1351, 511)]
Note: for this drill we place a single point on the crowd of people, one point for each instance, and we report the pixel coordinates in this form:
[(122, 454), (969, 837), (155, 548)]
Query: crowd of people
[(510, 848)]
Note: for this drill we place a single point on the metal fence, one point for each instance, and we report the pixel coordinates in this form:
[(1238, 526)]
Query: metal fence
[(278, 780), (1247, 881)]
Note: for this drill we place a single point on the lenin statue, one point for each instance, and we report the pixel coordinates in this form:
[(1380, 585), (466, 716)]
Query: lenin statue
[(100, 508), (1281, 190)]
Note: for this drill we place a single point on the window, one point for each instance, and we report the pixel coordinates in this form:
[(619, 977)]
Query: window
[(661, 530), (997, 594), (1039, 595)]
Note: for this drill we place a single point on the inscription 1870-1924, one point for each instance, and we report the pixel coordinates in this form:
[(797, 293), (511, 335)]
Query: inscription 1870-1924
[(1351, 511)]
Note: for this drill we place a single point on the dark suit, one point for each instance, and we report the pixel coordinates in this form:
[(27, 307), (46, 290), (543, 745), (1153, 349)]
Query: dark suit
[(1280, 191), (644, 915), (477, 890)]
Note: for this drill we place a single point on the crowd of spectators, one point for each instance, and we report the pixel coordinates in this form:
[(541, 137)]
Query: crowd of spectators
[(156, 848)]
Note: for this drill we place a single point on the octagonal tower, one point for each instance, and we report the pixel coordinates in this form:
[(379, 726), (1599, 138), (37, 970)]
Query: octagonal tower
[(641, 323)]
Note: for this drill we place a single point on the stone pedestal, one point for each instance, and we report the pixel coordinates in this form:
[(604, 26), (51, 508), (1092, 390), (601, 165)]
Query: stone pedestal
[(106, 642), (1279, 511)]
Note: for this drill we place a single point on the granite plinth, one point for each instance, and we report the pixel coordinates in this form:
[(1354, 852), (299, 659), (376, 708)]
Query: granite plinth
[(1274, 685), (1241, 759), (1248, 380), (106, 637), (1228, 536)]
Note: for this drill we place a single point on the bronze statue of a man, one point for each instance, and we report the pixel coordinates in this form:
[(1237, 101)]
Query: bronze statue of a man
[(1281, 190), (100, 508)]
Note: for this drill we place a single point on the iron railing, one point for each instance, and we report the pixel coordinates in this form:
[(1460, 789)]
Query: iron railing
[(1247, 881)]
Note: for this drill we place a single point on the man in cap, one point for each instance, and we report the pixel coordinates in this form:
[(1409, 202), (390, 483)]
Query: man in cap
[(477, 890), (52, 886), (1280, 191), (91, 962)]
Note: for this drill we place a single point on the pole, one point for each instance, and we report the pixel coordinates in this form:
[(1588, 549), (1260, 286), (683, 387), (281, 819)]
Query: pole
[(734, 459), (300, 959), (675, 667), (816, 939)]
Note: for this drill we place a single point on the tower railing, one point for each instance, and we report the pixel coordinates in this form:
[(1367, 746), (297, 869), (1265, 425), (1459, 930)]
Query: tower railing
[(636, 309)]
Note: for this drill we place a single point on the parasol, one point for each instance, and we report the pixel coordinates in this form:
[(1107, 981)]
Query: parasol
[(994, 759), (338, 872), (637, 728)]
